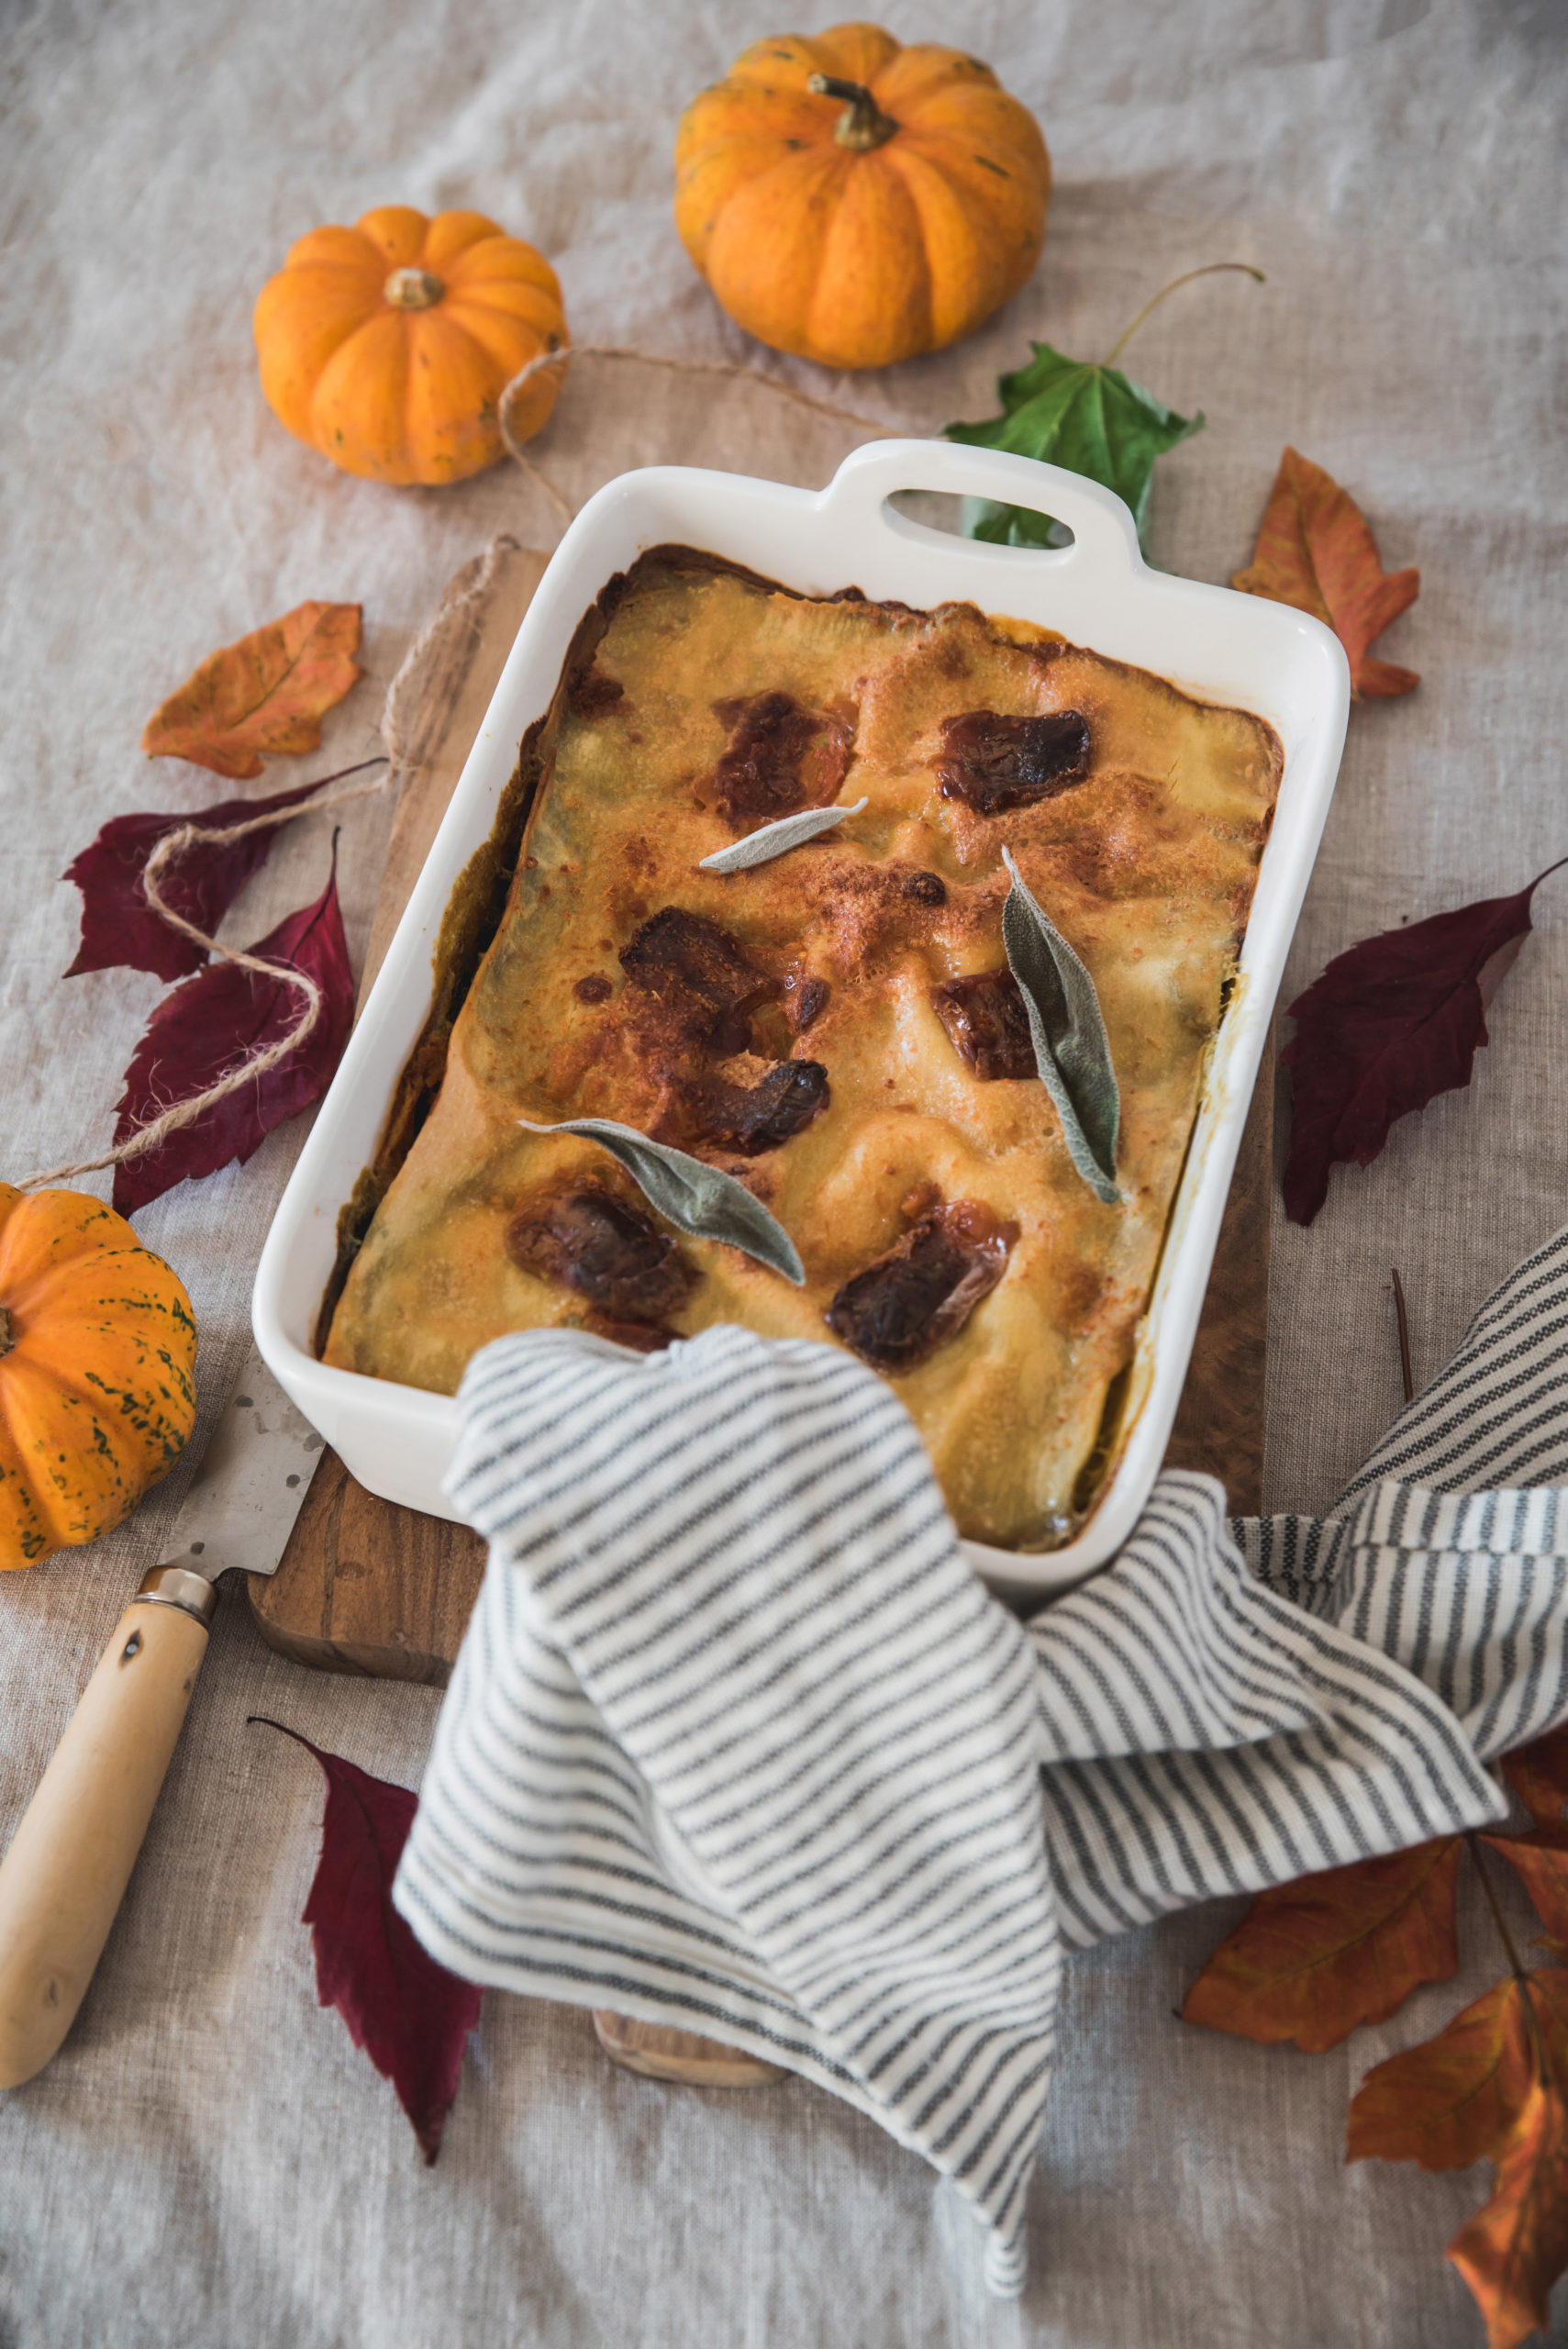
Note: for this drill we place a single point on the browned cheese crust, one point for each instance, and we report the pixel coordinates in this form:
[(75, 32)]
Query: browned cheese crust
[(713, 703)]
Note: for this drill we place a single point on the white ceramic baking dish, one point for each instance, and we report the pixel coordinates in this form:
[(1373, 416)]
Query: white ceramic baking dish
[(1221, 646)]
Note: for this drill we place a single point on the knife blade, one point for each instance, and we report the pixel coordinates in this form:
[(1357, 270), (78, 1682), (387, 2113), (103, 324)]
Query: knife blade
[(242, 1505), (63, 1877)]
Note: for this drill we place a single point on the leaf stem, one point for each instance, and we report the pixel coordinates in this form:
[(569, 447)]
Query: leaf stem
[(1209, 269), (1404, 1322), (1515, 1961), (265, 1720), (1521, 1975)]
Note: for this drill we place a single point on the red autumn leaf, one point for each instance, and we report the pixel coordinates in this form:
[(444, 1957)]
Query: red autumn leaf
[(1457, 2097), (266, 694), (411, 2016), (1513, 2249), (218, 1018), (1538, 1775), (1312, 1959), (119, 928), (1391, 1024), (1316, 551)]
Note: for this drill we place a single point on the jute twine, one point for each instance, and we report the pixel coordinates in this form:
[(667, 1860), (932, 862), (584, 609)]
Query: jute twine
[(251, 1067), (399, 729), (505, 405), (873, 424)]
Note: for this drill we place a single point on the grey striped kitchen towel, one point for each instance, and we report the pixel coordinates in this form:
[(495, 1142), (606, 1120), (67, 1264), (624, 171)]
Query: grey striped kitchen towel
[(737, 1742)]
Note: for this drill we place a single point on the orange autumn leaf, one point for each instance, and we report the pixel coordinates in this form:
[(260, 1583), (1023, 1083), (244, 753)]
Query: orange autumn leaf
[(1316, 551), (1455, 2098), (264, 695), (1312, 1959), (1491, 2084), (1513, 2249)]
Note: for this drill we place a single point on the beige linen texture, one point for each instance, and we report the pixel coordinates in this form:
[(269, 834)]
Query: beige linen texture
[(209, 2160)]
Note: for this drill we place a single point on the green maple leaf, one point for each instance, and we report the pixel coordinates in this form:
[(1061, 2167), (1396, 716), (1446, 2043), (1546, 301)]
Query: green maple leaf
[(1094, 420)]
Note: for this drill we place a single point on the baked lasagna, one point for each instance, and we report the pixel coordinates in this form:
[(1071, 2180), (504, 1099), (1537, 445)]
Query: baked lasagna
[(838, 1028)]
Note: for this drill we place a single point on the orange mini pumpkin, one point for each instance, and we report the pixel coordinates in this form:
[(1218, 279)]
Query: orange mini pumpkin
[(858, 203), (98, 1345), (387, 345)]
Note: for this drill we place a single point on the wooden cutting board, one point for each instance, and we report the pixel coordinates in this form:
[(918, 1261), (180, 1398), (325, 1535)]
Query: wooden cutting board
[(366, 1586)]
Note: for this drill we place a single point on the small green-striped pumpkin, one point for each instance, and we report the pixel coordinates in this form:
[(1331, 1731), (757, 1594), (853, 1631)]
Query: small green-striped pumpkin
[(97, 1346)]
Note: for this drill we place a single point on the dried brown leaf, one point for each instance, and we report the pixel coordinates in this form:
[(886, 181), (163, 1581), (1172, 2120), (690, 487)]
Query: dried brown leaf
[(1313, 1959), (1455, 2098), (1315, 552), (264, 695)]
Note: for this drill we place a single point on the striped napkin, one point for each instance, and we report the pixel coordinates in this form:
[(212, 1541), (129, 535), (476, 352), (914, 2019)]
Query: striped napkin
[(737, 1742)]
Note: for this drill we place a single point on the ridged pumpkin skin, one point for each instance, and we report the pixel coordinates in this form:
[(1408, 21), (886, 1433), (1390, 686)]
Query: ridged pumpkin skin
[(387, 345), (97, 1343), (861, 258)]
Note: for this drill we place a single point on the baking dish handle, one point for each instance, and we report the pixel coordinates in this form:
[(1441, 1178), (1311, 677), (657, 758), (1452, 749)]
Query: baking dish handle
[(1101, 526)]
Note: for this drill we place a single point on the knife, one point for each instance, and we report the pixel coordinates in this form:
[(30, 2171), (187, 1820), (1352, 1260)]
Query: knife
[(65, 1873)]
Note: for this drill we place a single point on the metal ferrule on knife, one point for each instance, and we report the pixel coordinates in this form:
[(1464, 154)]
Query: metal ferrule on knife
[(178, 1587)]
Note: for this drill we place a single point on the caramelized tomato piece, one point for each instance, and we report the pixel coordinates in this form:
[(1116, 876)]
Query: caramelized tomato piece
[(897, 1312), (700, 972), (762, 772), (609, 1253), (993, 762), (642, 1337), (807, 1005), (987, 1024), (752, 1118)]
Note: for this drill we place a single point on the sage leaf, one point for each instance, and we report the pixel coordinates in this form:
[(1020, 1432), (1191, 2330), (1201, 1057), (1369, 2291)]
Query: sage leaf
[(776, 838), (1071, 1050), (697, 1198), (1091, 420)]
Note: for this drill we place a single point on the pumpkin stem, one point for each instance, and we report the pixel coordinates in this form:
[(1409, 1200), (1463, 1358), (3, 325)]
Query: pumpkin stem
[(7, 1335), (864, 125), (413, 289), (1209, 270)]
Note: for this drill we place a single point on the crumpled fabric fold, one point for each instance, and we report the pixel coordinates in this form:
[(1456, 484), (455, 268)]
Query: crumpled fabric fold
[(737, 1742)]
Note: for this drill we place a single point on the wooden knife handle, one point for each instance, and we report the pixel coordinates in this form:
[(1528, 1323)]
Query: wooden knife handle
[(65, 1873)]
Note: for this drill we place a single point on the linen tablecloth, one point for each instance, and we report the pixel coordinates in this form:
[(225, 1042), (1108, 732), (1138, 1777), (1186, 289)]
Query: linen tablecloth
[(209, 2159)]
